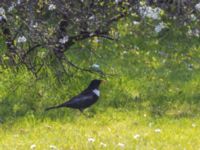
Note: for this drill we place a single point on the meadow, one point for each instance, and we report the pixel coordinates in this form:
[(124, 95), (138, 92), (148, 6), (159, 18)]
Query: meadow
[(150, 99)]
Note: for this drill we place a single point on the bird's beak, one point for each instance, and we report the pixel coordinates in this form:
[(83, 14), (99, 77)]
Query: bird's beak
[(103, 81)]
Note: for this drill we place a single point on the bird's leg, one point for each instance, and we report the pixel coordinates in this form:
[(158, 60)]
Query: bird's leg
[(82, 112)]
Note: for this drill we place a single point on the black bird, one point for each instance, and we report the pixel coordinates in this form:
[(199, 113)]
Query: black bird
[(85, 99)]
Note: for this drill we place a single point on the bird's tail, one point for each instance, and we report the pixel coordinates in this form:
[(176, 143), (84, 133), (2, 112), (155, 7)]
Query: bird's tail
[(54, 107)]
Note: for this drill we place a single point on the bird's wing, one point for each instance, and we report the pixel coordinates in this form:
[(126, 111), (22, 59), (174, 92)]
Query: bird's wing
[(80, 99)]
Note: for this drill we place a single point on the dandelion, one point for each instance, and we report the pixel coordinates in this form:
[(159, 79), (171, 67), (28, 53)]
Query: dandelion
[(64, 39), (33, 146), (145, 115), (193, 125), (157, 130), (95, 66), (21, 39), (52, 7), (197, 6), (159, 27), (53, 147), (150, 124), (122, 145), (91, 140), (136, 136), (103, 144)]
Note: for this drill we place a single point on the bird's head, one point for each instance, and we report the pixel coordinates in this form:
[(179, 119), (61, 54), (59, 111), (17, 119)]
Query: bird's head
[(95, 84)]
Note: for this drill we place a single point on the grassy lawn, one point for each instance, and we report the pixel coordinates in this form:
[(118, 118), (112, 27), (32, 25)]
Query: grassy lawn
[(111, 129), (151, 100)]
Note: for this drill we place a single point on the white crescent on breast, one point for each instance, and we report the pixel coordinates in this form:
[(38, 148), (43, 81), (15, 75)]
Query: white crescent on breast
[(96, 92)]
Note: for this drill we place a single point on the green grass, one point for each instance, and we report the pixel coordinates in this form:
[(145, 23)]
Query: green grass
[(109, 128), (155, 85)]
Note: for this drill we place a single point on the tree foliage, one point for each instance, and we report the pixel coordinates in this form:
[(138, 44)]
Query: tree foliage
[(36, 34)]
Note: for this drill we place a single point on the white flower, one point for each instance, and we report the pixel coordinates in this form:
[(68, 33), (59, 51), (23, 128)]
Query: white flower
[(95, 66), (52, 7), (103, 144), (122, 145), (136, 22), (53, 147), (193, 125), (189, 32), (35, 25), (11, 7), (197, 6), (21, 39), (159, 27), (18, 2), (64, 39), (149, 12), (91, 17), (193, 17), (2, 11), (33, 146), (136, 136), (157, 130), (117, 1), (91, 140), (196, 32)]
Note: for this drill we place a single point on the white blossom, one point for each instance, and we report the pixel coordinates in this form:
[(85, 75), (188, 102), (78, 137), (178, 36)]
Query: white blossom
[(136, 22), (91, 17), (18, 2), (64, 39), (95, 66), (196, 32), (11, 7), (35, 25), (91, 140), (52, 7), (189, 32), (117, 1), (33, 146), (197, 7), (2, 11), (21, 39), (193, 17), (149, 12), (159, 27)]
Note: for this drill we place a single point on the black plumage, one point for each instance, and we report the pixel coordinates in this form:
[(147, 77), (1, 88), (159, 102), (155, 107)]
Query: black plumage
[(85, 99)]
